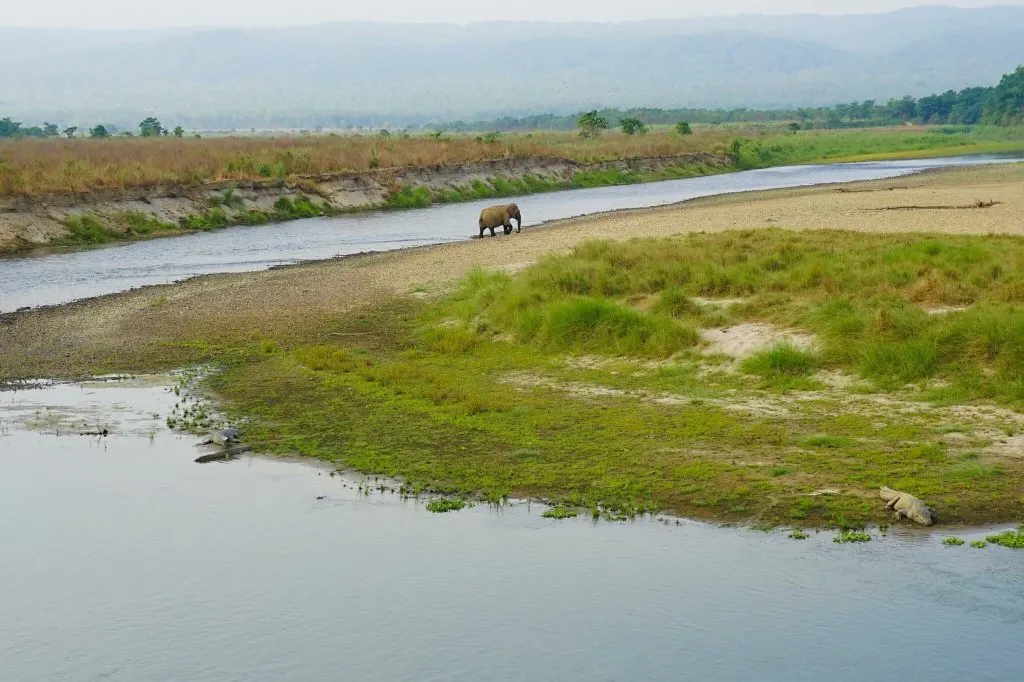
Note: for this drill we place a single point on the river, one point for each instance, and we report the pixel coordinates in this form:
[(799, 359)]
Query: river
[(125, 560), (49, 277)]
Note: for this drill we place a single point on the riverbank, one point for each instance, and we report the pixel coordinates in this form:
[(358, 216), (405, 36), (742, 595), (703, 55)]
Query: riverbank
[(680, 398), (105, 216), (149, 203)]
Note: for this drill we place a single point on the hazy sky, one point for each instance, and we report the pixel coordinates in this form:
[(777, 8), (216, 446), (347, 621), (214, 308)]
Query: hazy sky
[(136, 14)]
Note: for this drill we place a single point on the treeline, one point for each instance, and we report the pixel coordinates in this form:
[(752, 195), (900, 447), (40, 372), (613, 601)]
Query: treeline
[(1002, 104), (149, 127)]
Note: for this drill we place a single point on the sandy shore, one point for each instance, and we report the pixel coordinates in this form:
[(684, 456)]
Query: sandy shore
[(157, 326)]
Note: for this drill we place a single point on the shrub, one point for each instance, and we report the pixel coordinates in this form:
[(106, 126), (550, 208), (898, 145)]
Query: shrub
[(632, 126)]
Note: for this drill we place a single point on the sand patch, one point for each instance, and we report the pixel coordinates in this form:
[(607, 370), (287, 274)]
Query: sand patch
[(945, 310), (744, 340), (717, 302)]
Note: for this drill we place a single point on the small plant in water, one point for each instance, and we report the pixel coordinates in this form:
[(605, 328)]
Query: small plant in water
[(953, 541), (560, 512), (799, 535), (852, 536), (978, 544), (445, 504), (1013, 539)]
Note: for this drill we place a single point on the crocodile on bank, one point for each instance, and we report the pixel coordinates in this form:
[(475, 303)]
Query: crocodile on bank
[(223, 455), (906, 506)]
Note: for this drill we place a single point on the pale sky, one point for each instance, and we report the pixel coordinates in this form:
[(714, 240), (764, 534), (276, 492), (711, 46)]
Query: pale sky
[(136, 14)]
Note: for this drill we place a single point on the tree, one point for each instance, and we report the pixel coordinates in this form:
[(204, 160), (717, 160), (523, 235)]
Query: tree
[(9, 128), (591, 124), (683, 128), (632, 126), (99, 131), (50, 129), (902, 109), (150, 127), (179, 131), (1005, 104), (70, 131), (794, 127)]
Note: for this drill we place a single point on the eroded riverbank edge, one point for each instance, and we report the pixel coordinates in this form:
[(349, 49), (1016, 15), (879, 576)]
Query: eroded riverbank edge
[(30, 222)]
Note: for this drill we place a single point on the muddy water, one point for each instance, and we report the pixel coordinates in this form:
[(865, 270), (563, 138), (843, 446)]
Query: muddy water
[(124, 560), (61, 277)]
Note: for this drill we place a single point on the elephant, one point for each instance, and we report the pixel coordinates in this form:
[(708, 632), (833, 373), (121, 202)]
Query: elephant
[(502, 215)]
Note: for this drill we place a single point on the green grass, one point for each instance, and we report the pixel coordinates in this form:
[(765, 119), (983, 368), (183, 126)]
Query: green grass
[(781, 366), (581, 379), (953, 541), (867, 145), (1013, 539), (851, 536), (978, 544), (443, 505), (798, 535), (87, 229), (560, 512), (95, 229)]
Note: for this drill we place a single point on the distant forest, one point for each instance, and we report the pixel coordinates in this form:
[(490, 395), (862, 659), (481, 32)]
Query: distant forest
[(1002, 104)]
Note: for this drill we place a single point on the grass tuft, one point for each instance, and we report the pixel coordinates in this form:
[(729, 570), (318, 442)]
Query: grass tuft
[(560, 512), (851, 536), (443, 505)]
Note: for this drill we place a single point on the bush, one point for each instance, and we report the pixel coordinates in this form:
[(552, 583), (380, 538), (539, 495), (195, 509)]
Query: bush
[(632, 126)]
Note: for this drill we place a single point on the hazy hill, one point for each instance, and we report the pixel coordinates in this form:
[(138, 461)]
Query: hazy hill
[(382, 73)]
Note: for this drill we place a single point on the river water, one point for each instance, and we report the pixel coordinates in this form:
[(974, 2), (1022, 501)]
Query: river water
[(49, 278), (125, 560)]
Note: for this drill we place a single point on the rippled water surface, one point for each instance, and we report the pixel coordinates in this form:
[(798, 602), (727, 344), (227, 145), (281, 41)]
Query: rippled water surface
[(124, 560), (58, 278)]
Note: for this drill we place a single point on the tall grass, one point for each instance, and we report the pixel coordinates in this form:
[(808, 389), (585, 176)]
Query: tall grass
[(868, 298), (31, 166)]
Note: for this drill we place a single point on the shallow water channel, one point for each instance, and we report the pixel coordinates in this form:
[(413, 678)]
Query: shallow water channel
[(125, 560), (46, 278)]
